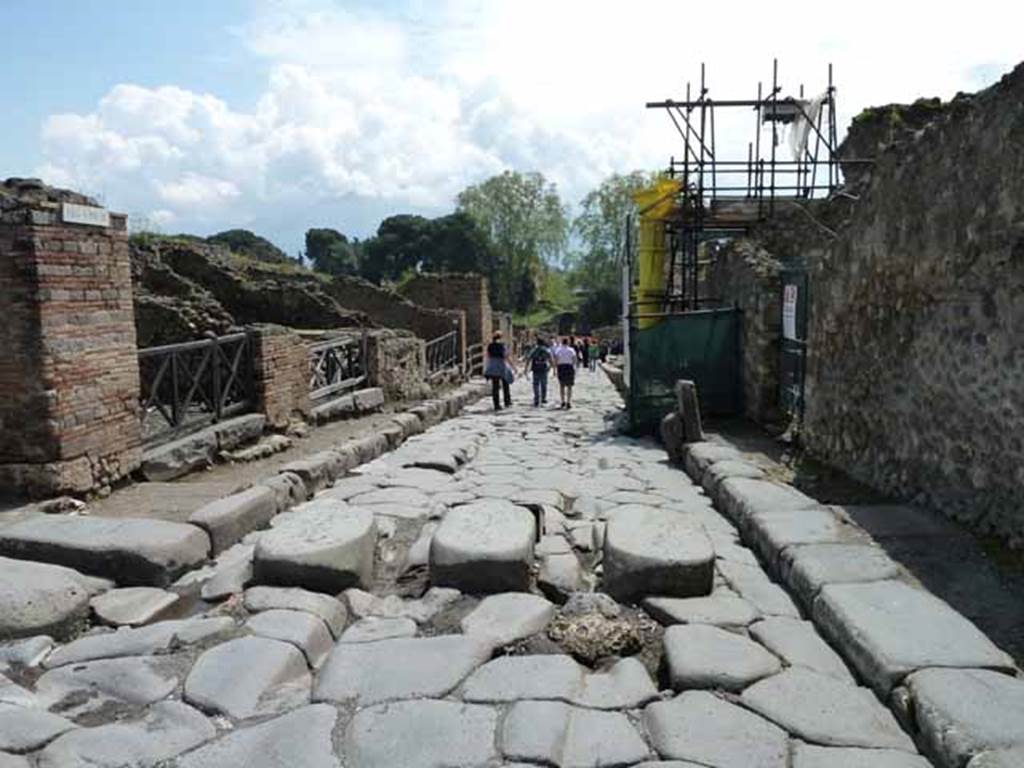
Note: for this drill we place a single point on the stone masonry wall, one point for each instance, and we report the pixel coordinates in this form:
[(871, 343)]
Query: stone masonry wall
[(282, 374), (466, 292), (915, 378), (746, 276), (69, 380), (397, 363)]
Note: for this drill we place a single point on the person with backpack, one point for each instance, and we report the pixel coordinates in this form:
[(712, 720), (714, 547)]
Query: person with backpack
[(540, 360), (566, 360), (498, 370)]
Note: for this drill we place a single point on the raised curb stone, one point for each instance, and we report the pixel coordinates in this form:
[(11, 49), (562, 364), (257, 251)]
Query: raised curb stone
[(656, 552), (324, 545), (229, 519), (132, 551), (807, 569), (483, 547), (247, 677), (703, 656)]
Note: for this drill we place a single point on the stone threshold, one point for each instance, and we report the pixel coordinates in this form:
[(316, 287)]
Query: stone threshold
[(958, 694)]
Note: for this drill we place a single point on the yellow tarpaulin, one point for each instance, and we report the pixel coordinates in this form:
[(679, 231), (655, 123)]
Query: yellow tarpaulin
[(655, 204)]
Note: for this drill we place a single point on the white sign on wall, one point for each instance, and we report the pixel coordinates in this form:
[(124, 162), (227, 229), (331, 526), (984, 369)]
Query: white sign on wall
[(89, 215), (789, 296)]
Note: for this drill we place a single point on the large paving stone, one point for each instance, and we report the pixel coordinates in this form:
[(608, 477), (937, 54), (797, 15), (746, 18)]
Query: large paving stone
[(703, 656), (421, 610), (139, 641), (422, 734), (484, 547), (812, 756), (823, 710), (136, 680), (131, 551), (305, 631), (229, 519), (697, 457), (25, 729), (409, 503), (799, 645), (888, 629), (26, 652), (329, 609), (807, 569), (772, 533), (701, 727), (720, 610), (13, 761), (552, 677), (323, 545), (374, 628), (503, 619), (554, 733), (753, 585), (132, 606), (37, 598), (1013, 757), (404, 668), (656, 552), (168, 729), (299, 739), (248, 677), (964, 712)]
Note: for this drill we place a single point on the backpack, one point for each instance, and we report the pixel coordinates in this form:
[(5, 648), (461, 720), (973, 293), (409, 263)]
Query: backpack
[(540, 358)]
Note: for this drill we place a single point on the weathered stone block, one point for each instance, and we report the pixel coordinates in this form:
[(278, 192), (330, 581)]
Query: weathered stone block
[(229, 519)]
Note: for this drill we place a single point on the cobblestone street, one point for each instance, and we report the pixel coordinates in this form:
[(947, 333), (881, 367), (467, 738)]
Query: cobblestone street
[(522, 588)]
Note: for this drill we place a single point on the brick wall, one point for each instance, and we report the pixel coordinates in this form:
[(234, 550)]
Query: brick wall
[(69, 381), (466, 292), (282, 374)]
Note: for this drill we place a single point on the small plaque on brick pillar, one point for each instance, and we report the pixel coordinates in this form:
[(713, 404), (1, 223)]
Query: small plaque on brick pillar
[(89, 215)]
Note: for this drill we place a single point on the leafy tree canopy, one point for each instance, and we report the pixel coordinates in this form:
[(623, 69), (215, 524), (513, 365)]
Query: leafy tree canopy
[(246, 243), (331, 252)]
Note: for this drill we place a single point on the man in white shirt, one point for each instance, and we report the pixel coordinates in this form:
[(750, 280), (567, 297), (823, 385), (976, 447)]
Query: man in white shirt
[(565, 360)]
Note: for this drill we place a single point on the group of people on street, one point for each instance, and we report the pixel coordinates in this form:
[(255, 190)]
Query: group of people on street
[(565, 356)]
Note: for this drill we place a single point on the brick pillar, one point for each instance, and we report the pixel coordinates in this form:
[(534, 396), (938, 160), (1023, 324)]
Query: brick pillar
[(69, 375), (282, 374)]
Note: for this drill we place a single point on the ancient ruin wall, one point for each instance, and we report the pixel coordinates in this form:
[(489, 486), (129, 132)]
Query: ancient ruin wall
[(466, 292), (916, 371)]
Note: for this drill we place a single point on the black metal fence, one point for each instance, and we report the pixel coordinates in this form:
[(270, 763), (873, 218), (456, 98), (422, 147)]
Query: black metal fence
[(336, 365), (443, 353), (475, 360), (185, 387)]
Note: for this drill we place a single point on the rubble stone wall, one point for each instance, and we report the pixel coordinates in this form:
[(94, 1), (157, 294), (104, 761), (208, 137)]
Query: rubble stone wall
[(915, 378), (69, 379), (397, 363)]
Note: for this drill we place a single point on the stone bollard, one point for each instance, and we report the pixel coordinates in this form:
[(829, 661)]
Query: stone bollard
[(688, 408)]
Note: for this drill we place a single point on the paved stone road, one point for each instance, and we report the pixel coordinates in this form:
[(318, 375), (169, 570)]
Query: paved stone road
[(436, 607)]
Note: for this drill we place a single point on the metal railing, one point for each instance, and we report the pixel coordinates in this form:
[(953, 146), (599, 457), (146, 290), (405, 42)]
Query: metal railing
[(475, 360), (336, 365), (442, 353), (185, 387)]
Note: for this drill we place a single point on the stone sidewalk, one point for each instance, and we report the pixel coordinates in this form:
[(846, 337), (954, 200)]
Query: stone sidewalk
[(522, 588)]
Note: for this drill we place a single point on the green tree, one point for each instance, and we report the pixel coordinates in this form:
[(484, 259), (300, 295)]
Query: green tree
[(601, 227), (524, 219), (331, 252), (397, 248), (246, 243)]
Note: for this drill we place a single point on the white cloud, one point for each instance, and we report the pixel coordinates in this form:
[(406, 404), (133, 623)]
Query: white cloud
[(403, 108)]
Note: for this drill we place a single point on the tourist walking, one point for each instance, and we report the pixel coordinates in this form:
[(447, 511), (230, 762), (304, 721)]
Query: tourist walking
[(566, 359), (540, 361), (498, 370), (584, 352), (593, 352)]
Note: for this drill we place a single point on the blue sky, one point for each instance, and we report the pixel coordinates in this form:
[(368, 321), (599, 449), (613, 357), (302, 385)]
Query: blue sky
[(278, 115)]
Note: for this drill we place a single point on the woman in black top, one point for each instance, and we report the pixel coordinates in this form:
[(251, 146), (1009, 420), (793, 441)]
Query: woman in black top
[(497, 370)]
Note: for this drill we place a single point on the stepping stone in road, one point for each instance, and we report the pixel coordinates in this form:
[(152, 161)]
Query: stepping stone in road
[(554, 733), (302, 739), (889, 629), (24, 729), (422, 734), (139, 641), (329, 609), (305, 631), (484, 547), (132, 606), (822, 710), (699, 726), (404, 668), (503, 619), (703, 656), (248, 677), (655, 552), (324, 545), (799, 645), (812, 756), (131, 551), (168, 729), (40, 599)]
